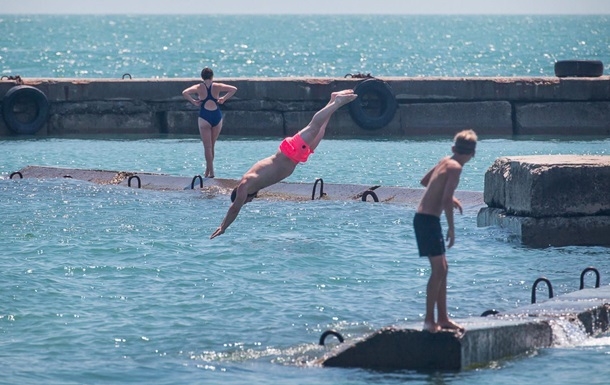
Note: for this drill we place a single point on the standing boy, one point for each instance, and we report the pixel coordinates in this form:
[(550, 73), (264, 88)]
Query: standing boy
[(441, 182)]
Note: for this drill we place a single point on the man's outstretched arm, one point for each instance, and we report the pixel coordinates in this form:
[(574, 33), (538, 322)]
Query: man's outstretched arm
[(233, 211)]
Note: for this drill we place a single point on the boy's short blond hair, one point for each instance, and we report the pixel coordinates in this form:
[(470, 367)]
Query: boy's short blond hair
[(465, 142)]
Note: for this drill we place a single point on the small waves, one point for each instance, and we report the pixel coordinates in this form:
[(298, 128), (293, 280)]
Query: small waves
[(171, 46)]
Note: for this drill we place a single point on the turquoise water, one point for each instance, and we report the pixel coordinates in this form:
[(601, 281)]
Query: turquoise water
[(107, 284), (298, 45)]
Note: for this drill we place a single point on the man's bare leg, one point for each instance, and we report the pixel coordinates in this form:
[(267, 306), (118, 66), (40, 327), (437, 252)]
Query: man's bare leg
[(313, 133), (322, 131)]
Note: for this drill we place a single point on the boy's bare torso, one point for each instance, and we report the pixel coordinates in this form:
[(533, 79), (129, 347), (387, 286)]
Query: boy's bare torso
[(442, 181)]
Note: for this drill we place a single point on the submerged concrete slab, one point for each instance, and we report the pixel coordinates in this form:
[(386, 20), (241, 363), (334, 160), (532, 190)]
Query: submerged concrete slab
[(590, 306), (217, 186), (484, 340), (93, 176), (313, 190), (549, 185)]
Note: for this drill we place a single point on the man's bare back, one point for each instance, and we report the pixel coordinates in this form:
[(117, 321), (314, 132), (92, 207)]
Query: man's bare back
[(267, 172)]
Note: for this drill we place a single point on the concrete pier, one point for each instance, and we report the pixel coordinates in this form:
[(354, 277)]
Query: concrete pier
[(484, 340), (279, 107), (551, 200)]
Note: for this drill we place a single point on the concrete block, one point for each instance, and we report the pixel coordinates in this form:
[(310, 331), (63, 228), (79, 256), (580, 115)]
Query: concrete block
[(253, 123), (182, 122), (483, 345), (242, 123), (485, 340), (500, 88), (576, 118), (138, 123), (551, 231), (492, 118), (394, 348), (101, 107), (549, 185)]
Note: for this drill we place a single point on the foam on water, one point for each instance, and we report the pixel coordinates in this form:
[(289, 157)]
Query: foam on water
[(568, 333)]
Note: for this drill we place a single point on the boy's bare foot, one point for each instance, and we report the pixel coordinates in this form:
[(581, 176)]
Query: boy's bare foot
[(431, 327)]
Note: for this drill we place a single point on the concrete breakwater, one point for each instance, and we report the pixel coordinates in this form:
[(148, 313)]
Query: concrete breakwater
[(281, 106), (550, 200)]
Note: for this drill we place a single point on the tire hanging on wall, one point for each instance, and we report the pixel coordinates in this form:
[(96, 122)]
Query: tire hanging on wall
[(579, 68), (375, 106), (25, 109)]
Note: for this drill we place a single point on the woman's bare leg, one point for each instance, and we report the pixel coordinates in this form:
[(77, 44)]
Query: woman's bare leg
[(205, 131), (215, 133)]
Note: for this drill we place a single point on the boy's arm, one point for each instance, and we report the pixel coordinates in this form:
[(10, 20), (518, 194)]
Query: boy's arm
[(453, 178)]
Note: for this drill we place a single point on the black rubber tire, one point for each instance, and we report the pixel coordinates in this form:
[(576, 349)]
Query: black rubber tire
[(579, 68), (24, 98), (375, 106)]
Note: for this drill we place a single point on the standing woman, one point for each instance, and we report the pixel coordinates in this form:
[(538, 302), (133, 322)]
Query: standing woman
[(210, 117)]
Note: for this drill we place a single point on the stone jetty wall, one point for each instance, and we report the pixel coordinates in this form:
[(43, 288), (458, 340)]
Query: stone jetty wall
[(281, 106)]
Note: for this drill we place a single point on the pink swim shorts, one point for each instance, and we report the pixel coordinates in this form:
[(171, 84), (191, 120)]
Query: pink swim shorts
[(295, 149)]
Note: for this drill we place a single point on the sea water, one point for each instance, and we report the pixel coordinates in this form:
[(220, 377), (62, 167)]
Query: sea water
[(107, 284), (103, 283), (179, 46)]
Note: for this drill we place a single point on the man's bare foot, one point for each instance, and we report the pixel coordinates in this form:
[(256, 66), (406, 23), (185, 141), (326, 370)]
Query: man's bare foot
[(344, 97), (450, 325), (333, 95), (431, 327)]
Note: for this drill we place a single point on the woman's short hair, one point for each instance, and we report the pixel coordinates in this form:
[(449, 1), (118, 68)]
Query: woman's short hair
[(207, 73)]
